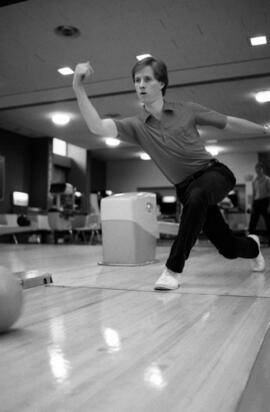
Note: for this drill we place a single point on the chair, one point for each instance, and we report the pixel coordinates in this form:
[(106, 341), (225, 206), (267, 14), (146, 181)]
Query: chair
[(91, 229), (60, 225)]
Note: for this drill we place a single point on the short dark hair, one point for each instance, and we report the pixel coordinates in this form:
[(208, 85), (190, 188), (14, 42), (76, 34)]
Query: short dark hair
[(159, 69)]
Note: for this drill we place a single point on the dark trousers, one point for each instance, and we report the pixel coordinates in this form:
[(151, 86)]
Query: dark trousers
[(259, 208), (199, 196)]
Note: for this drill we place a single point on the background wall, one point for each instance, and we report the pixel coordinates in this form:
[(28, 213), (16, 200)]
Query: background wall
[(40, 151), (27, 168), (128, 175), (98, 175)]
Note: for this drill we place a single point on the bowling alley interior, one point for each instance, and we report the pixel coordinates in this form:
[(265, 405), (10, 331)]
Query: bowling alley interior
[(87, 222)]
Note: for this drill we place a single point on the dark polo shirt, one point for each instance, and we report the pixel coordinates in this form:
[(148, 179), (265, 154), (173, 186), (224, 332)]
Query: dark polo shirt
[(173, 142)]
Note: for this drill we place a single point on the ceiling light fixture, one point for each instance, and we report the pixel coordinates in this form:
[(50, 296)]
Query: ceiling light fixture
[(145, 156), (112, 142), (213, 150), (60, 119), (65, 71), (143, 56), (263, 96), (258, 40)]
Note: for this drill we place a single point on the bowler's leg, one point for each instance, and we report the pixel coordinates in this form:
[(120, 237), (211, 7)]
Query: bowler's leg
[(225, 240), (254, 217)]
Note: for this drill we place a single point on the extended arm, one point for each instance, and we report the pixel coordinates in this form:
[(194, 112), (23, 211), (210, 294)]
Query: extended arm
[(101, 127), (242, 126), (208, 117)]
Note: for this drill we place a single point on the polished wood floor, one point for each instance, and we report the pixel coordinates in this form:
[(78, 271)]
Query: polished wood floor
[(100, 339)]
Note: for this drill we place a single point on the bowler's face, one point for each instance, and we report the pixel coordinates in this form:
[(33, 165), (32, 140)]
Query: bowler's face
[(259, 170), (148, 88)]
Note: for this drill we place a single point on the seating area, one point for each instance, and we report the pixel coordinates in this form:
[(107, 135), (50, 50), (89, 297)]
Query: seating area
[(51, 227), (9, 226), (90, 230)]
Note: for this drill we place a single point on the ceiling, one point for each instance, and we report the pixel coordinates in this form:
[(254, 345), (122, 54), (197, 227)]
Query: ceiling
[(205, 45)]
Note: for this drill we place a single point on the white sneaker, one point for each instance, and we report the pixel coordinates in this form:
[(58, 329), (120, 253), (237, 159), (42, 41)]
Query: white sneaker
[(258, 262), (167, 281)]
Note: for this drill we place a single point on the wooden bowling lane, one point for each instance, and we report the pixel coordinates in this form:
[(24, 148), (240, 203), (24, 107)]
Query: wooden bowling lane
[(256, 396), (100, 339), (101, 350)]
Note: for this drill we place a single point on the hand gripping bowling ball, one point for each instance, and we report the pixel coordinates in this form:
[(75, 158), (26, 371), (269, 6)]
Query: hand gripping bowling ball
[(11, 299)]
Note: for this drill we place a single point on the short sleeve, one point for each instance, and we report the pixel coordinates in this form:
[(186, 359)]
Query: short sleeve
[(126, 129), (208, 117)]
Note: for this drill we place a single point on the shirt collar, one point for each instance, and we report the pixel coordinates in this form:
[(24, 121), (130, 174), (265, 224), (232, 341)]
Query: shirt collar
[(144, 114)]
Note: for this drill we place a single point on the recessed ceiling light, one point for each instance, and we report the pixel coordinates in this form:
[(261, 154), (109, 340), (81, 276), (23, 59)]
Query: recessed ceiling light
[(60, 119), (65, 71), (258, 40), (143, 56), (112, 142), (145, 156), (263, 96), (213, 150)]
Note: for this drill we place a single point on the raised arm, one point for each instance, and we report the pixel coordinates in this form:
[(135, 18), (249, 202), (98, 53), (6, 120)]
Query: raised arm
[(101, 127)]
